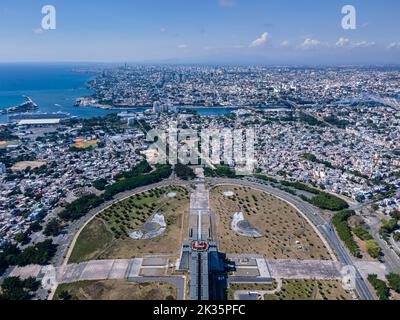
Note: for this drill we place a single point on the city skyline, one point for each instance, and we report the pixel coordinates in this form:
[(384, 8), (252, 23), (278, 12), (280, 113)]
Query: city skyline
[(219, 151), (212, 31)]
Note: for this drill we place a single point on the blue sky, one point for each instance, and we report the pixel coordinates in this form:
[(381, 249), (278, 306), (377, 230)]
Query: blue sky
[(201, 31)]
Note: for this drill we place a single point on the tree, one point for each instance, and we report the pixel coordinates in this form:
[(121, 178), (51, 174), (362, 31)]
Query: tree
[(374, 207), (135, 178), (328, 201), (40, 253), (340, 222), (53, 228), (13, 288), (373, 249), (394, 281), (35, 227), (100, 184), (184, 172), (23, 238), (65, 295), (221, 171), (8, 253), (395, 215), (388, 227), (380, 287), (362, 233)]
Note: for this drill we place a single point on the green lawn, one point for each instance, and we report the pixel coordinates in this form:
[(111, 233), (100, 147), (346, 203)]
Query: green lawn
[(92, 241), (132, 213), (106, 237), (310, 290)]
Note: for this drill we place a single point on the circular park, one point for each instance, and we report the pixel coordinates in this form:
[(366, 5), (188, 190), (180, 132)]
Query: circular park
[(142, 224), (251, 221)]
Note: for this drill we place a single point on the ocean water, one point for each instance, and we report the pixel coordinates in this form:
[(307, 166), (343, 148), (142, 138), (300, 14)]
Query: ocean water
[(55, 88)]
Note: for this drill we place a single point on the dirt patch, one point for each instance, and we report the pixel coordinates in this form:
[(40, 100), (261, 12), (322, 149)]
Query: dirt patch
[(23, 165), (287, 235), (131, 214), (117, 290)]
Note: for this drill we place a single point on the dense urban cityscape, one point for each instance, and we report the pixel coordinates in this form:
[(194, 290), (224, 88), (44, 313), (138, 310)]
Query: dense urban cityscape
[(327, 136), (199, 158)]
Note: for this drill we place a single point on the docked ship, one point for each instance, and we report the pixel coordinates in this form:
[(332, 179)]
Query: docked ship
[(38, 115), (27, 106)]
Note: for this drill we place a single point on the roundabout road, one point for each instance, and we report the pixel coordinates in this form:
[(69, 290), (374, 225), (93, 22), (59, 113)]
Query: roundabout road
[(324, 228), (65, 249)]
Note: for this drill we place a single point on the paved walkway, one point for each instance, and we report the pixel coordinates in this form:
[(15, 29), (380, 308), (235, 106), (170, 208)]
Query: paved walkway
[(148, 269), (307, 269), (255, 267)]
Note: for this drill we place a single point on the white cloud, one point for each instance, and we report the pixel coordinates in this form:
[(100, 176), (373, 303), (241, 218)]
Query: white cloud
[(285, 44), (363, 44), (263, 39), (38, 31), (310, 43), (346, 43), (394, 45), (183, 46), (226, 3), (163, 30), (342, 42)]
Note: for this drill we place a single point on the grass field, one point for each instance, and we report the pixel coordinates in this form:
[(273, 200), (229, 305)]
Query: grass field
[(117, 290), (5, 144), (85, 144), (310, 290), (287, 233), (91, 242), (106, 236)]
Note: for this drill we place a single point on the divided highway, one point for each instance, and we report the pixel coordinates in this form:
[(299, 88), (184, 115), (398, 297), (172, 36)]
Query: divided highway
[(313, 214)]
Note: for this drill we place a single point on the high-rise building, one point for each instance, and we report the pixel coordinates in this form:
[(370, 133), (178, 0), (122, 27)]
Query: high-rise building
[(157, 107), (2, 168), (165, 106)]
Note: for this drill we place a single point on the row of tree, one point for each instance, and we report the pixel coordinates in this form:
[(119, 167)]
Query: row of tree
[(133, 179), (221, 171), (184, 172), (13, 288), (389, 226), (340, 222), (40, 253), (320, 199), (383, 288)]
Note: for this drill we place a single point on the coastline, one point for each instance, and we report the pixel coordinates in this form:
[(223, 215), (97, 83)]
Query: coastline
[(27, 106)]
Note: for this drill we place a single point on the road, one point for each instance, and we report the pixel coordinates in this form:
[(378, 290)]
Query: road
[(390, 257), (324, 228), (67, 241), (75, 227), (312, 214)]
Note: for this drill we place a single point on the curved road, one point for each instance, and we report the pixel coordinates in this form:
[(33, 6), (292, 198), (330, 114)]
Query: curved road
[(313, 214), (64, 251)]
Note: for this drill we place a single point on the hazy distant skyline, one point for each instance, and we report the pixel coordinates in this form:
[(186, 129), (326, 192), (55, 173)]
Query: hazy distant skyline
[(206, 31)]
